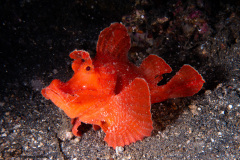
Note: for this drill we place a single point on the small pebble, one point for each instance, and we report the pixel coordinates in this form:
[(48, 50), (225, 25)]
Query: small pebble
[(76, 140), (119, 149), (230, 106), (69, 135), (208, 92), (2, 104), (220, 134), (193, 109), (55, 71)]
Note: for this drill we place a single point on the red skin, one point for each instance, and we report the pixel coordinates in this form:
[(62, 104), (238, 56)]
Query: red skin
[(111, 93)]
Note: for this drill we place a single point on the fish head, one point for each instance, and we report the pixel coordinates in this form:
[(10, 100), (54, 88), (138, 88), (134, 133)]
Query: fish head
[(88, 86), (88, 76), (85, 76)]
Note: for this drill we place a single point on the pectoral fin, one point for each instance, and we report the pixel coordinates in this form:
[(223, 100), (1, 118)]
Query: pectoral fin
[(128, 117), (76, 125)]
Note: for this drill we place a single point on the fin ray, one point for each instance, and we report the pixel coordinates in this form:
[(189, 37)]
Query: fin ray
[(125, 125)]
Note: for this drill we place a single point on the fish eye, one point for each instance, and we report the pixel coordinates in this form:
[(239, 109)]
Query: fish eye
[(83, 60), (88, 68)]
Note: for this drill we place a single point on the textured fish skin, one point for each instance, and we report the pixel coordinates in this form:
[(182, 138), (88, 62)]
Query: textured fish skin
[(113, 94)]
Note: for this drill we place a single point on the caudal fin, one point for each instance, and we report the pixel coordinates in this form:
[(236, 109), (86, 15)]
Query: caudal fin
[(129, 117), (186, 82), (114, 43), (152, 68)]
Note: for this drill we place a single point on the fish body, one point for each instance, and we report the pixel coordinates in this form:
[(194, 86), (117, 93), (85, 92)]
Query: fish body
[(115, 95)]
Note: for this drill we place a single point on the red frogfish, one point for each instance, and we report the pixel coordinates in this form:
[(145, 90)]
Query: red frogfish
[(115, 95)]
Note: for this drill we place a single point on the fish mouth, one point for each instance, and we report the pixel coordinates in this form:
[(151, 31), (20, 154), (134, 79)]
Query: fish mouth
[(72, 104), (58, 95), (49, 93), (53, 90)]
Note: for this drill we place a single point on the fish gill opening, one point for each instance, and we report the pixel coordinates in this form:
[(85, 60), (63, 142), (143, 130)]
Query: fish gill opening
[(119, 85)]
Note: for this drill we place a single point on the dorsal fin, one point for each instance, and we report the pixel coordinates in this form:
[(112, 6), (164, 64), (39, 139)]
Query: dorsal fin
[(114, 43), (128, 119), (153, 67)]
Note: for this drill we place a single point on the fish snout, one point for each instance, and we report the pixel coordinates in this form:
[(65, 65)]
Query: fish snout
[(54, 90)]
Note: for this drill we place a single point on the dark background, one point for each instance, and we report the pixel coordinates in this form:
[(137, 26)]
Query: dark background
[(37, 36)]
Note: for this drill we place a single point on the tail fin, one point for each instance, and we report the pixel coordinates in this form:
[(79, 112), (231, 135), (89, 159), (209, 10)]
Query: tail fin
[(113, 42), (186, 82), (153, 67)]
